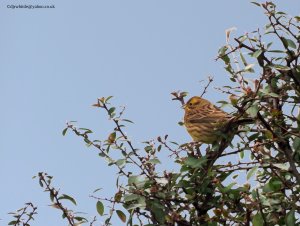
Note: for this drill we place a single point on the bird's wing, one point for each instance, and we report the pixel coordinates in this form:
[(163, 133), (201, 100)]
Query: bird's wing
[(209, 114)]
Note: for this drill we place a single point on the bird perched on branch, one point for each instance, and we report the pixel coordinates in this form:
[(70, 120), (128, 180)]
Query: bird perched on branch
[(205, 122)]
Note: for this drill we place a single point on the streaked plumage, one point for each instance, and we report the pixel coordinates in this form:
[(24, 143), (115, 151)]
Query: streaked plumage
[(203, 120)]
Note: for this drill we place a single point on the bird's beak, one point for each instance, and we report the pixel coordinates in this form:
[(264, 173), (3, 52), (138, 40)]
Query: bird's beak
[(183, 106)]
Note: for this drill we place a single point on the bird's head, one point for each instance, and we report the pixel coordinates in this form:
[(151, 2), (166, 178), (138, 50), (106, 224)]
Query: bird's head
[(195, 102)]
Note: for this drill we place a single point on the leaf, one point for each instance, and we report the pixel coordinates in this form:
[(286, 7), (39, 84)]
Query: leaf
[(158, 209), (255, 3), (275, 184), (65, 131), (111, 110), (148, 148), (235, 176), (252, 111), (290, 218), (242, 154), (154, 161), (276, 51), (98, 189), (282, 166), (131, 197), (289, 42), (223, 50), (64, 196), (111, 138), (81, 219), (138, 181), (118, 196), (267, 92), (252, 172), (243, 59), (296, 144), (257, 53), (108, 98), (227, 188), (121, 162), (281, 67), (258, 220), (127, 120), (100, 208), (181, 123), (297, 18), (194, 162), (51, 196), (121, 215), (269, 45), (141, 203), (249, 67)]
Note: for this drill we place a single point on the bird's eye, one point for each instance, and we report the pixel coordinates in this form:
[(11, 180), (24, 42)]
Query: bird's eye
[(190, 103)]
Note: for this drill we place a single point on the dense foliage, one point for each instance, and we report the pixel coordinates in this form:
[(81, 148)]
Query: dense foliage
[(251, 179)]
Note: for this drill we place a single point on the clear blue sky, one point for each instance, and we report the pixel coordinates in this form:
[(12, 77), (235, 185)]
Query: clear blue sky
[(56, 62)]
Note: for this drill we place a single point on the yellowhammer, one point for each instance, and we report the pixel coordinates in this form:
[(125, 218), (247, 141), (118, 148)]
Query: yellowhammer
[(203, 120)]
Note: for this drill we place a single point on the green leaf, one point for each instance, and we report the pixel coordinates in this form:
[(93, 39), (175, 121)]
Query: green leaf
[(255, 3), (243, 59), (281, 67), (137, 181), (131, 197), (227, 188), (282, 166), (252, 111), (290, 218), (127, 120), (181, 123), (158, 209), (275, 184), (249, 67), (223, 50), (258, 220), (98, 189), (13, 223), (276, 51), (121, 215), (81, 219), (148, 148), (67, 197), (194, 162), (242, 154), (267, 92), (121, 162), (111, 110), (108, 98), (296, 144), (212, 224), (252, 172), (65, 131), (235, 176), (297, 18), (289, 42), (269, 45), (100, 208), (257, 53), (154, 161), (141, 203), (51, 196)]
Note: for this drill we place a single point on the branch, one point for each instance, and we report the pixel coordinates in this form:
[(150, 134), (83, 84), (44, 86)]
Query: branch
[(54, 194), (210, 80)]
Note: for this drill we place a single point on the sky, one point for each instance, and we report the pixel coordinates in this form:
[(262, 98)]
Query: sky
[(55, 63)]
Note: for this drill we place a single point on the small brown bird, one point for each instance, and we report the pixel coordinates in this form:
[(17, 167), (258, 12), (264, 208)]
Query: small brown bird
[(203, 120)]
